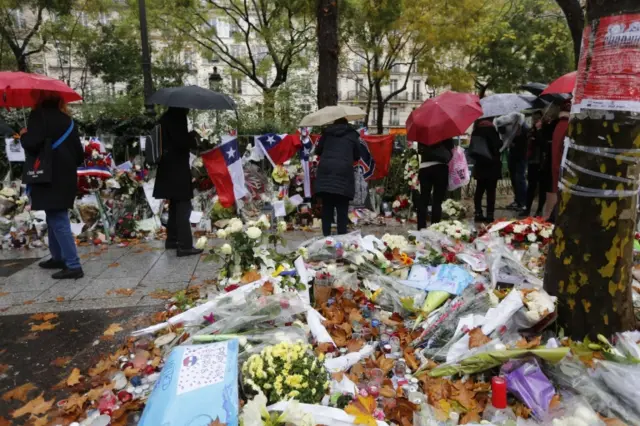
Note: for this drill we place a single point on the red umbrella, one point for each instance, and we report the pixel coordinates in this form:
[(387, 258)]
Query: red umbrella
[(17, 89), (443, 117), (564, 84)]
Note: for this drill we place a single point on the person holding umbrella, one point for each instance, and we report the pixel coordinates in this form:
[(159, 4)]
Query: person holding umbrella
[(514, 133), (49, 121), (433, 125), (173, 179), (485, 151), (337, 151)]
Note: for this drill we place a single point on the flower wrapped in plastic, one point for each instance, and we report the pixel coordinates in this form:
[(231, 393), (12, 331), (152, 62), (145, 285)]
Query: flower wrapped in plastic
[(453, 209), (453, 229), (286, 371)]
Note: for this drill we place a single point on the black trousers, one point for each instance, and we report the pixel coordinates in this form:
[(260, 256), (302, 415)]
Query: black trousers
[(540, 182), (179, 227), (339, 204), (436, 179), (489, 186)]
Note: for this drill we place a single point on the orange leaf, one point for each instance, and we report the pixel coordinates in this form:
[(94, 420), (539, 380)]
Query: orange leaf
[(59, 299), (250, 277), (472, 416), (354, 345), (411, 359), (4, 368), (463, 395), (121, 292), (38, 421), (75, 402), (533, 343), (477, 338), (324, 348), (114, 265), (112, 330), (161, 294), (19, 394), (217, 422), (29, 302), (266, 289), (2, 294), (61, 361), (355, 316), (43, 316), (102, 366), (95, 394), (3, 421), (74, 377), (35, 406), (44, 326), (362, 408)]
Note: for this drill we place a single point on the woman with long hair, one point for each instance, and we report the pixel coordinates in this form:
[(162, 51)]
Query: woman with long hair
[(48, 122)]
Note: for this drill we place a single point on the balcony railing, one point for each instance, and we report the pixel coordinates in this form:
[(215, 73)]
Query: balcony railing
[(361, 96)]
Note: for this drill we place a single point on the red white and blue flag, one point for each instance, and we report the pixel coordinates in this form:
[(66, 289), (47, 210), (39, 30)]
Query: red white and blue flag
[(277, 148), (224, 166)]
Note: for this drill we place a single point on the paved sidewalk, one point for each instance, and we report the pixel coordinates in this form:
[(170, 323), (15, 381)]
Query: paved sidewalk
[(115, 277)]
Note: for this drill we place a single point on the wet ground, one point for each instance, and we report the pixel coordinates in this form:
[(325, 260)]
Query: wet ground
[(47, 357)]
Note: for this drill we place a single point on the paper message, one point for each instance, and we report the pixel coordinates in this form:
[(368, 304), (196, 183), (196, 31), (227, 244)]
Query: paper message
[(14, 150)]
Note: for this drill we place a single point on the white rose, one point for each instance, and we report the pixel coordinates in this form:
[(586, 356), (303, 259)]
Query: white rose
[(302, 251), (226, 249), (396, 204), (201, 243), (234, 226), (264, 221), (222, 234), (532, 238), (546, 233), (253, 232), (282, 226)]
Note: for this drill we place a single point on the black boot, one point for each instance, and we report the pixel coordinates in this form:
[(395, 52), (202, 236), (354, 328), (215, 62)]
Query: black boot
[(68, 274), (170, 245), (52, 264), (479, 217), (189, 252)]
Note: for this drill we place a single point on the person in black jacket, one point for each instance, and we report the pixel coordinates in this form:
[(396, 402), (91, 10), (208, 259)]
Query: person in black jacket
[(48, 121), (433, 176), (538, 178), (487, 170), (337, 150), (173, 180)]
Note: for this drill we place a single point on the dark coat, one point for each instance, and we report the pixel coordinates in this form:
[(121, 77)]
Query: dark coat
[(441, 152), (49, 123), (338, 150), (173, 179), (485, 168)]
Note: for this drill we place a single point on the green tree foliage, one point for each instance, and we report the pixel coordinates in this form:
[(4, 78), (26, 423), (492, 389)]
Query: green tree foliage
[(270, 37), (21, 23), (513, 42)]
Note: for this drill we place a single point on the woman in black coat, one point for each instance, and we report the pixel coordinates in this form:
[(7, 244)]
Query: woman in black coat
[(49, 121), (487, 171), (173, 179), (434, 179), (338, 150)]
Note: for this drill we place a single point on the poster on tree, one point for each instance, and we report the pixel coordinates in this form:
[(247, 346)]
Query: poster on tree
[(609, 67)]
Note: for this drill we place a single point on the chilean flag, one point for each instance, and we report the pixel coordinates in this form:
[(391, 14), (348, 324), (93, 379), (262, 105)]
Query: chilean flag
[(224, 166), (278, 148)]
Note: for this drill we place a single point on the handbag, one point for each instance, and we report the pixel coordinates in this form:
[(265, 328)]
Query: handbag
[(38, 169), (479, 149)]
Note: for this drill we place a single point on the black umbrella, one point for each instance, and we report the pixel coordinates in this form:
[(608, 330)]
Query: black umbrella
[(538, 88), (192, 97), (534, 88)]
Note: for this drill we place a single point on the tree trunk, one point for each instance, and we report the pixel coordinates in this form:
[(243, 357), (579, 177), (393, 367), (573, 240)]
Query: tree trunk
[(269, 103), (328, 52), (589, 263), (575, 20), (23, 65), (380, 106)]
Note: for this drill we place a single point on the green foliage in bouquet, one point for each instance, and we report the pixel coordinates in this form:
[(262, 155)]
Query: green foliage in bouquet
[(286, 371), (222, 213)]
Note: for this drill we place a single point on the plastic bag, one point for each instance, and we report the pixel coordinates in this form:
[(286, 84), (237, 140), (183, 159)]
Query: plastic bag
[(528, 383), (572, 374), (622, 380), (573, 411), (458, 170)]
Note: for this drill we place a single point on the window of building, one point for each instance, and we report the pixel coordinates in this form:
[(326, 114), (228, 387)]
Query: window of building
[(393, 117), (374, 116), (19, 19), (417, 95), (236, 85), (393, 84), (359, 87)]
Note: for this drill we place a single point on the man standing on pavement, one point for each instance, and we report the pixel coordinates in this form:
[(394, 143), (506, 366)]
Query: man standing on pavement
[(513, 132), (173, 180)]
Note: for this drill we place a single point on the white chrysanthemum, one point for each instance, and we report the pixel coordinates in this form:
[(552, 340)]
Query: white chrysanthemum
[(532, 238), (234, 226), (222, 234), (226, 249)]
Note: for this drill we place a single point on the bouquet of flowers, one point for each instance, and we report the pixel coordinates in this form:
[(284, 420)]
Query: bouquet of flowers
[(218, 212), (286, 371), (280, 175), (127, 226), (453, 209), (527, 231), (96, 169), (402, 207), (453, 229), (393, 242), (412, 167), (207, 137)]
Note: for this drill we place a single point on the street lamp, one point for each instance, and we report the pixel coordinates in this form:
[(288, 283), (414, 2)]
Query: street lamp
[(215, 80)]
